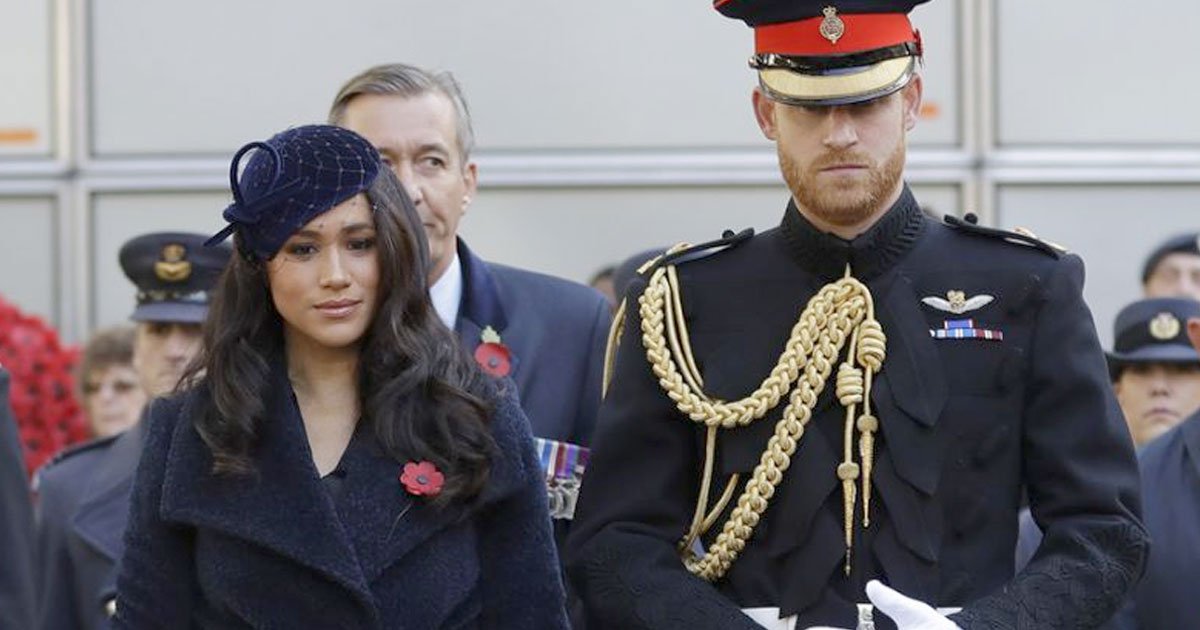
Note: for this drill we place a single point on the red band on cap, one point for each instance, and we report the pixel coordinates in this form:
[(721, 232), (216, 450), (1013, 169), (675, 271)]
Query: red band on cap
[(862, 31)]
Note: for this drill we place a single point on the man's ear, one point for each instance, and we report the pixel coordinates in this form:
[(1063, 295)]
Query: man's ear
[(1193, 332), (913, 94), (764, 113)]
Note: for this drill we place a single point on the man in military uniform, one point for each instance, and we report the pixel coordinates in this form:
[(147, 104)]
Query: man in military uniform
[(84, 494), (831, 423)]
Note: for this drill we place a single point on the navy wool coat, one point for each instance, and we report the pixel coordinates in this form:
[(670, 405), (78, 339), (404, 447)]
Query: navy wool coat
[(276, 551)]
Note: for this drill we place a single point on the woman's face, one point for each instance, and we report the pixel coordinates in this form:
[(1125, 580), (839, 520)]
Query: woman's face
[(112, 399), (324, 279)]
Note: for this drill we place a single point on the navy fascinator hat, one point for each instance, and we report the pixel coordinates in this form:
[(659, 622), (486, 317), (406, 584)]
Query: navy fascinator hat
[(291, 178)]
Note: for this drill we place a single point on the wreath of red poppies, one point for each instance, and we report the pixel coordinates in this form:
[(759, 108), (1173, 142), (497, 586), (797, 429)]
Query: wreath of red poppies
[(41, 385)]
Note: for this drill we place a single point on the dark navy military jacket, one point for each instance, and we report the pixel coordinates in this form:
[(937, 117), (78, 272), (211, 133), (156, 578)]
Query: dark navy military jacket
[(83, 506), (1169, 594), (966, 425), (280, 551)]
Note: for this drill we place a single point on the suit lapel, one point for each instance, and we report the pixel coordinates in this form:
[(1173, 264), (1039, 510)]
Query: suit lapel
[(282, 507), (102, 515), (481, 305)]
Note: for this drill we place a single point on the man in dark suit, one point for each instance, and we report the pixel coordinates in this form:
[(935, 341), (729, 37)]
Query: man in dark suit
[(84, 493), (546, 333), (831, 423), (16, 523)]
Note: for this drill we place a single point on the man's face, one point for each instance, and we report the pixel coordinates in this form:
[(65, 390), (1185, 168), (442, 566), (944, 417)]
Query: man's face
[(418, 140), (1157, 396), (1176, 275), (161, 352), (843, 163)]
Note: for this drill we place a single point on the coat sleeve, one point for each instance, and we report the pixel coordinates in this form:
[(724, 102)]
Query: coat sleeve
[(156, 582), (56, 603), (635, 504), (521, 581), (16, 528), (1081, 476), (593, 375)]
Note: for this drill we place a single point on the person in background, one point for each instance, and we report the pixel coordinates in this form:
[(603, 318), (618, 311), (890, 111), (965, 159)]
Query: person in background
[(110, 390), (84, 493), (602, 281), (335, 460), (16, 524), (1173, 268), (1170, 467)]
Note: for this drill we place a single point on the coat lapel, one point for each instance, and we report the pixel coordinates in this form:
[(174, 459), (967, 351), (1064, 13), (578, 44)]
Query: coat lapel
[(103, 512), (282, 507), (1191, 441), (481, 305)]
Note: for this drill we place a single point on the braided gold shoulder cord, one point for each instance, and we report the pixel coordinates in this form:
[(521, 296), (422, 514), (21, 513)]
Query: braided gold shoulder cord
[(839, 310)]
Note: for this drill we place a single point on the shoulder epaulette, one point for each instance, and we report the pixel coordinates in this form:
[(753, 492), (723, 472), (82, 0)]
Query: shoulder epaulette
[(1020, 236), (686, 253)]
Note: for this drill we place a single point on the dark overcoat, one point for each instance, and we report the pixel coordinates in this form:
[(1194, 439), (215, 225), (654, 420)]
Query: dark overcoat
[(1169, 594), (966, 425), (555, 331), (278, 551), (16, 523), (83, 506)]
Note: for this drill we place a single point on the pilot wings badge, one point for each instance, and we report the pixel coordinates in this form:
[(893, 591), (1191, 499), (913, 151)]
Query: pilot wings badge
[(957, 302)]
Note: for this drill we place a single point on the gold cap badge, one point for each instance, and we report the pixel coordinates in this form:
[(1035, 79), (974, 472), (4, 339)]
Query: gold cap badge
[(1164, 326), (832, 27), (171, 266)]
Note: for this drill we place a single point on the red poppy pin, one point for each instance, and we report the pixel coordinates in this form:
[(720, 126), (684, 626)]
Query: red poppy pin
[(422, 479), (492, 355)]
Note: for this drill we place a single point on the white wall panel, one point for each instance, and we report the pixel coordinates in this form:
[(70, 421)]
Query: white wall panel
[(1089, 72), (170, 78), (1113, 228), (29, 272), (26, 78)]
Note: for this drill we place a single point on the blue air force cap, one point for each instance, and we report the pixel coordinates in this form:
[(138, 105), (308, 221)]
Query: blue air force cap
[(1153, 331), (175, 275), (829, 52), (291, 178)]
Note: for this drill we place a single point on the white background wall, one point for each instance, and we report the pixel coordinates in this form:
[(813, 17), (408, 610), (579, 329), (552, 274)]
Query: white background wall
[(604, 128)]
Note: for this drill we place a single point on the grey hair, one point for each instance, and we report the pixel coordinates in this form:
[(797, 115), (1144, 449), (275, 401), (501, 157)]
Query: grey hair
[(399, 79)]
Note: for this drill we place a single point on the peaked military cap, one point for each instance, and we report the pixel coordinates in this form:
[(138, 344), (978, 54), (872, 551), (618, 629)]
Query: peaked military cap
[(829, 52), (1178, 244), (175, 275), (1153, 331), (291, 178)]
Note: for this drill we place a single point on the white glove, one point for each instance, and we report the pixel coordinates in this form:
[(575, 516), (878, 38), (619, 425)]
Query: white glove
[(908, 613)]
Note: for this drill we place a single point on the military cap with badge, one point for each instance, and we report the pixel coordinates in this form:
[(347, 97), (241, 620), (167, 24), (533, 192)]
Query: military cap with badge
[(174, 273), (1153, 331)]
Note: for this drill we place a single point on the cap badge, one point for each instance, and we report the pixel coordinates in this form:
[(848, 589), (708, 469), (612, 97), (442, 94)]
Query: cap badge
[(171, 266), (832, 27), (1164, 326), (957, 302)]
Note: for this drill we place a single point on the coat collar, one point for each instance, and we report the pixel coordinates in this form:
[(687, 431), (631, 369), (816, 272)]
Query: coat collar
[(1190, 431), (869, 254), (284, 508), (103, 511)]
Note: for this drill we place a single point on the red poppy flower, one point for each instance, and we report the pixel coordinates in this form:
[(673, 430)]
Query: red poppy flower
[(494, 358), (422, 479)]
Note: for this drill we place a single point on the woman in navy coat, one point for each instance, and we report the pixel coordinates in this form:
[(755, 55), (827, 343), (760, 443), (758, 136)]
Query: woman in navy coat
[(337, 461)]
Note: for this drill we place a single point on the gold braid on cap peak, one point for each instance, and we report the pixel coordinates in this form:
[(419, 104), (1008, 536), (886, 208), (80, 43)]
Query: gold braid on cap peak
[(841, 311)]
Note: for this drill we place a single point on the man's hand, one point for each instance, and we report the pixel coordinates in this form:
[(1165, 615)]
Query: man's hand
[(908, 613)]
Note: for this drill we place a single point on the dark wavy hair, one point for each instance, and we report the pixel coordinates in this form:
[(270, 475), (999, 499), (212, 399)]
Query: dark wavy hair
[(424, 398)]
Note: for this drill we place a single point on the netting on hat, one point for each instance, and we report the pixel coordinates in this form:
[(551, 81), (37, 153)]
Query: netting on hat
[(293, 177)]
